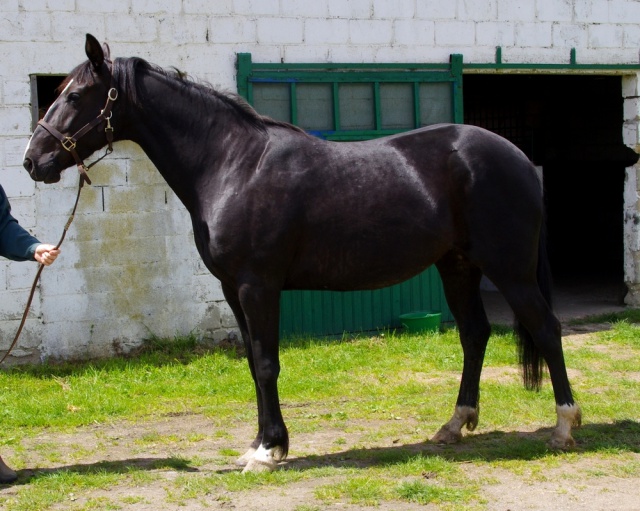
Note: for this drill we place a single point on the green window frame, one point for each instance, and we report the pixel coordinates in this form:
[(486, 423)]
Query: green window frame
[(379, 80)]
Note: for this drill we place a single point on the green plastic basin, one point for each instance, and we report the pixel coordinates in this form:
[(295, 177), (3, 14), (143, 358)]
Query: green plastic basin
[(421, 321)]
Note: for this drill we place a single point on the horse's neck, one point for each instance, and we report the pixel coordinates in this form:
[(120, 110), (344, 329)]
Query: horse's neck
[(186, 135)]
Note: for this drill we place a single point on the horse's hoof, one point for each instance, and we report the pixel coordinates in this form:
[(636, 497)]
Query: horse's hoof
[(568, 416), (446, 436), (557, 443), (451, 432), (255, 465), (7, 475), (245, 458), (264, 460)]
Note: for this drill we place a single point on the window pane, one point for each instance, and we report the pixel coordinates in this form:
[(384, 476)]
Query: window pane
[(356, 106), (43, 94), (273, 99), (436, 103), (315, 106), (396, 105)]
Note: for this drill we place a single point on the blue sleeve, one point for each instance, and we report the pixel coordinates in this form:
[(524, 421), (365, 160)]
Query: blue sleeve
[(15, 242)]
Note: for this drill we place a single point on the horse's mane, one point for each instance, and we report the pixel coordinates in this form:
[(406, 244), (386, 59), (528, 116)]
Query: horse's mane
[(126, 70)]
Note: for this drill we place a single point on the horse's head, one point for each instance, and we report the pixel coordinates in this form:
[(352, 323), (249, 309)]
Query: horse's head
[(76, 123)]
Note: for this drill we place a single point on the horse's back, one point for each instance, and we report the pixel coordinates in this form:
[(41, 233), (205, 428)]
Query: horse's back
[(354, 207)]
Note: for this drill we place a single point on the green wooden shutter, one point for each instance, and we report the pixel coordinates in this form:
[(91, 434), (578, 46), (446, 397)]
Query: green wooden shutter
[(356, 102)]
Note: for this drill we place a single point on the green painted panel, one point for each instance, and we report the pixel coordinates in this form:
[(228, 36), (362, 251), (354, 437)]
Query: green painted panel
[(397, 106), (274, 100), (315, 106), (333, 313), (356, 106), (435, 103)]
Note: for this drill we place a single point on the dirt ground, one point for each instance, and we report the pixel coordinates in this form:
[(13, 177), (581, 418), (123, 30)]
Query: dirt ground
[(585, 483)]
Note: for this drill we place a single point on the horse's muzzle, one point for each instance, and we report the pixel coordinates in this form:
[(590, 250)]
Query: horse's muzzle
[(28, 165), (46, 173)]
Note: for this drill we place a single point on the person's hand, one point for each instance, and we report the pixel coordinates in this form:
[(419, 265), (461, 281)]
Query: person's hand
[(46, 254)]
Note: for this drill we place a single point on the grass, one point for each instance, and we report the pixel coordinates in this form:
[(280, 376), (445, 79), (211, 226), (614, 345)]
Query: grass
[(631, 316), (162, 379), (380, 397)]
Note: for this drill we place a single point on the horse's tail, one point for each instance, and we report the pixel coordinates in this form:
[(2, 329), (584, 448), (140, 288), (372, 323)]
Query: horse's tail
[(528, 354)]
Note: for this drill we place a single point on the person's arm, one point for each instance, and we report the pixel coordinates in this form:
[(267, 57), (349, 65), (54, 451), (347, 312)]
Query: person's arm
[(15, 242)]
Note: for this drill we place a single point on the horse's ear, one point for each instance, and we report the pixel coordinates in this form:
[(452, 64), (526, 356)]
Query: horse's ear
[(106, 51), (94, 52)]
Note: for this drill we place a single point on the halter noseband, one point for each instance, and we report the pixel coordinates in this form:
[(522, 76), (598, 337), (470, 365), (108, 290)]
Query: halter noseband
[(69, 143)]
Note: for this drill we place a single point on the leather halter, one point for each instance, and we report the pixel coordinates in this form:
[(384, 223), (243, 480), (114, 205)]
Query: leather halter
[(69, 142)]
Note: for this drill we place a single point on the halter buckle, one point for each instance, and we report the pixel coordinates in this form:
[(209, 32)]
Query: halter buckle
[(112, 94), (68, 143)]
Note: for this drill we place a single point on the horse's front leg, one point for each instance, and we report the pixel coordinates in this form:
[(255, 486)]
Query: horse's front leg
[(233, 300), (261, 307)]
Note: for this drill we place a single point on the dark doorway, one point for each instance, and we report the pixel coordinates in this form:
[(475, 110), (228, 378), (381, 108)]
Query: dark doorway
[(571, 126), (43, 94)]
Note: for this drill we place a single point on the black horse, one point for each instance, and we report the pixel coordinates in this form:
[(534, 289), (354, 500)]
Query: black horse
[(274, 208)]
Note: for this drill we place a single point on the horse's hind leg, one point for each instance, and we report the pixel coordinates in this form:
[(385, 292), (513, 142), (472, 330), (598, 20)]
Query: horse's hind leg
[(461, 281), (539, 333)]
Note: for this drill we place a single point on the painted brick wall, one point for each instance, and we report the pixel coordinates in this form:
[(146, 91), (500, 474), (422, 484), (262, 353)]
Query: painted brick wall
[(129, 268)]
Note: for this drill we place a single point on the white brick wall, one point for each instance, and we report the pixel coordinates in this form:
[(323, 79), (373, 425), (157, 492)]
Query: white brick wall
[(555, 11), (280, 30), (353, 9), (129, 266), (605, 36), (631, 137)]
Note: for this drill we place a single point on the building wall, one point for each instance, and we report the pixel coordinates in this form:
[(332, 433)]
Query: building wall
[(129, 267), (631, 94)]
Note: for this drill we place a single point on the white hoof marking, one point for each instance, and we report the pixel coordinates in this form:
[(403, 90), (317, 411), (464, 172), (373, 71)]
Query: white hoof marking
[(259, 466), (246, 457), (568, 417), (262, 460)]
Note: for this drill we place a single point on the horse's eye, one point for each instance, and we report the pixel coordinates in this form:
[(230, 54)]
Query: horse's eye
[(73, 97)]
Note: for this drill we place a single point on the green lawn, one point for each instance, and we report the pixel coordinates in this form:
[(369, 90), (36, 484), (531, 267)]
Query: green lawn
[(380, 397)]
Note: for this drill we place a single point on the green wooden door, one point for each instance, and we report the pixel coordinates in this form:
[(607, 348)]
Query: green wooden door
[(356, 102)]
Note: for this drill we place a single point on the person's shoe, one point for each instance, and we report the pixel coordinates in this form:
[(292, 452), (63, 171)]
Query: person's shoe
[(6, 474)]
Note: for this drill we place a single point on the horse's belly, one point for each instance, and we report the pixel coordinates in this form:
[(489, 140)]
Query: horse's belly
[(355, 265)]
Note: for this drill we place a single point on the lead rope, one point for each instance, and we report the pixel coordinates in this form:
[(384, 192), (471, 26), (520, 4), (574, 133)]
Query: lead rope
[(41, 267)]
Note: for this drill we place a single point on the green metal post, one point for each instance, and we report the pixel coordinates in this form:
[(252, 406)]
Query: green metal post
[(244, 65), (336, 106), (293, 94), (456, 73), (416, 104), (377, 107)]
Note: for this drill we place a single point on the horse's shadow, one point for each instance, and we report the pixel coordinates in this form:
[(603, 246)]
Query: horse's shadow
[(178, 464), (491, 446)]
